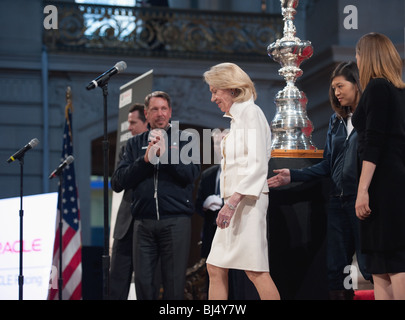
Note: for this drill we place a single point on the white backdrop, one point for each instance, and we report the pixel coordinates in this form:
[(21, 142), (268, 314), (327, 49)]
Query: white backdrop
[(38, 239)]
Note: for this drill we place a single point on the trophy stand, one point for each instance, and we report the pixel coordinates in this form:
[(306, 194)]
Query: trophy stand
[(297, 212)]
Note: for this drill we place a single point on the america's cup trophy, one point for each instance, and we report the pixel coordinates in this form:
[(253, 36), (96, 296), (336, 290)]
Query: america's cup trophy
[(291, 128), (300, 205)]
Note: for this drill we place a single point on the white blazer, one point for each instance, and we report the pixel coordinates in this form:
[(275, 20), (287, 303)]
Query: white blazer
[(246, 151)]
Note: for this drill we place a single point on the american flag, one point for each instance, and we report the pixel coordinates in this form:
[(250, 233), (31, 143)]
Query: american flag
[(71, 236)]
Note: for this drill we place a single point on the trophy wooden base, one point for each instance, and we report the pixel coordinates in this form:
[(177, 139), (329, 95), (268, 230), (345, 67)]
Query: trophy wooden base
[(297, 229), (310, 154)]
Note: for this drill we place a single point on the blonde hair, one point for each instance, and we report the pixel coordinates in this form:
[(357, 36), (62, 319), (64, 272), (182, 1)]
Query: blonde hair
[(230, 76), (379, 59)]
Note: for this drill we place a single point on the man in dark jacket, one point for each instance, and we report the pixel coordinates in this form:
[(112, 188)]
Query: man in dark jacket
[(121, 259), (160, 166)]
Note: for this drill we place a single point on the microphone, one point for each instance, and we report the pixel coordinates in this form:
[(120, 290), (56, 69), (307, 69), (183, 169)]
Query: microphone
[(101, 80), (62, 166), (20, 153)]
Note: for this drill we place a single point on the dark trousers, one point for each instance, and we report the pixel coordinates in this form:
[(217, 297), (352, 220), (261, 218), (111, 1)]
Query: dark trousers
[(169, 241), (343, 241), (121, 267)]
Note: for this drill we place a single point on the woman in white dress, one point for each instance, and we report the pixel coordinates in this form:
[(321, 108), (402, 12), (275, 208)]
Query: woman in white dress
[(240, 241)]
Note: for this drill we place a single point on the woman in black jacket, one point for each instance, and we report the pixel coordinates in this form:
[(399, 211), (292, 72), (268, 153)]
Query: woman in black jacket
[(340, 163)]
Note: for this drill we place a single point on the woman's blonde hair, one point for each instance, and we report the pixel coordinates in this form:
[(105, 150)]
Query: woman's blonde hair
[(379, 59), (230, 76)]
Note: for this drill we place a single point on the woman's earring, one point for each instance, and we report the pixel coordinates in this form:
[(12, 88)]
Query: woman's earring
[(233, 93)]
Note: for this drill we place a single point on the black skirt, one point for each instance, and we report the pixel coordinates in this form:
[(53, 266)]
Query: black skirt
[(385, 262)]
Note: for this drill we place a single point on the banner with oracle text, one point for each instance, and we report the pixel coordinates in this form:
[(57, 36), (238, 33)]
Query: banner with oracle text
[(38, 235)]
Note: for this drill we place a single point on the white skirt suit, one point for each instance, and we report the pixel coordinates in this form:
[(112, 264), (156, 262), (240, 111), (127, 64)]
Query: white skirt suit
[(246, 151)]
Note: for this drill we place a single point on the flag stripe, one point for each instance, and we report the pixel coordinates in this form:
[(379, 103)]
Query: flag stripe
[(75, 287), (73, 264), (77, 293), (68, 235)]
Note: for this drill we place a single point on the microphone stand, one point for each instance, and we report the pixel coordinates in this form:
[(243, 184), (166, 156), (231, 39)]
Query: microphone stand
[(106, 255), (103, 84), (21, 212), (60, 280)]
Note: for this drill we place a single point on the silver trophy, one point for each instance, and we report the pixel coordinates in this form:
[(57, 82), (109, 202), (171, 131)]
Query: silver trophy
[(291, 127)]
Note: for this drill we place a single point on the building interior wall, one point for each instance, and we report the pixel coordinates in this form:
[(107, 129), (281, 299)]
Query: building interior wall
[(23, 92)]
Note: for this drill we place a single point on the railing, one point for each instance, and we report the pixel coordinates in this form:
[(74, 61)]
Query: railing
[(162, 32)]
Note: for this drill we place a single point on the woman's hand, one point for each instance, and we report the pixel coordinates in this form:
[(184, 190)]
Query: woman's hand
[(363, 210), (226, 213), (362, 205), (224, 216)]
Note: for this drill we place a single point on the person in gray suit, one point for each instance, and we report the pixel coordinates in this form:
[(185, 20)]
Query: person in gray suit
[(121, 260)]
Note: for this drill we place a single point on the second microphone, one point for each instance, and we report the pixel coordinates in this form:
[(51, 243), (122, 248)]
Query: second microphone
[(59, 169)]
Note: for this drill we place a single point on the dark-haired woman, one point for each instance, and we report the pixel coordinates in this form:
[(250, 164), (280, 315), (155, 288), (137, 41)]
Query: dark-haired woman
[(340, 163)]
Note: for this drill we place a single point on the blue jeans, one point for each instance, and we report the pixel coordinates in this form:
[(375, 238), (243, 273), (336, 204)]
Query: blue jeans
[(343, 241)]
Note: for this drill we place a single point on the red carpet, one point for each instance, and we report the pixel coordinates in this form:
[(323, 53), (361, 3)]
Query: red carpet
[(364, 295)]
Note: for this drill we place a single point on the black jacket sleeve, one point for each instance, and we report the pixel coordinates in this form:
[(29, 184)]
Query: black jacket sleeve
[(132, 169), (321, 169)]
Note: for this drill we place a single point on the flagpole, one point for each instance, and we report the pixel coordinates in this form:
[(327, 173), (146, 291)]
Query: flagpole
[(60, 280)]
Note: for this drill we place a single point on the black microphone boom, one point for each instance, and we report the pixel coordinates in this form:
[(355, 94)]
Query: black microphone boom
[(62, 166), (20, 153), (101, 80)]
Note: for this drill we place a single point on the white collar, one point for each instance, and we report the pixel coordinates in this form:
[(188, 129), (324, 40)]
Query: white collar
[(237, 108)]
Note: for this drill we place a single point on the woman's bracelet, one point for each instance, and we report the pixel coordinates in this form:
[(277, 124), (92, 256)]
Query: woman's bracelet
[(231, 206)]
